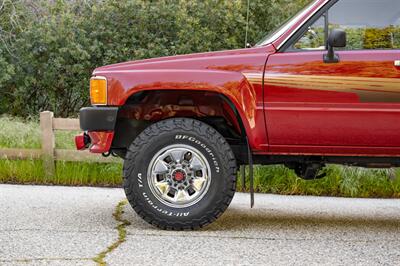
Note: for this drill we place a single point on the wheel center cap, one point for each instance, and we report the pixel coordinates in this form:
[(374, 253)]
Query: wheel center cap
[(179, 175)]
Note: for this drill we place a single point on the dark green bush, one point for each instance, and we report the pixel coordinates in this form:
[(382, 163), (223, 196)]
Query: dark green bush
[(48, 49)]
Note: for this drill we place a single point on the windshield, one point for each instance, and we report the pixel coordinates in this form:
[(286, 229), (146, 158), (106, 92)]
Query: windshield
[(286, 25)]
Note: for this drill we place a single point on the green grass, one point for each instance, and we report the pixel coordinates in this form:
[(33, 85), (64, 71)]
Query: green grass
[(340, 181), (16, 133), (25, 134), (67, 173)]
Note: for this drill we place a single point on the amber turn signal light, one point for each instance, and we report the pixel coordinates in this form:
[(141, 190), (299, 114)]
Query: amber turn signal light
[(98, 90)]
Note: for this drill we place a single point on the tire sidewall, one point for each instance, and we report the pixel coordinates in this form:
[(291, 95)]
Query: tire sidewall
[(218, 183)]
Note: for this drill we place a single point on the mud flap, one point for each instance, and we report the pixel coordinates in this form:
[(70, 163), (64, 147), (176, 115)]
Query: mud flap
[(243, 176), (251, 177)]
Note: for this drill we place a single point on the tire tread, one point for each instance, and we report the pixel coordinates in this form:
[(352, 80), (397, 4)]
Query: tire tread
[(191, 126)]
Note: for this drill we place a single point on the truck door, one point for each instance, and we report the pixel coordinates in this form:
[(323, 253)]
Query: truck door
[(352, 103)]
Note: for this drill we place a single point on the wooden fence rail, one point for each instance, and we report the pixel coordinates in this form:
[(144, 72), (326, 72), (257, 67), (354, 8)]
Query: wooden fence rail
[(48, 153)]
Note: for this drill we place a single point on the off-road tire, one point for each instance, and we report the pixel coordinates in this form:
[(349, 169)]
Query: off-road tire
[(188, 132)]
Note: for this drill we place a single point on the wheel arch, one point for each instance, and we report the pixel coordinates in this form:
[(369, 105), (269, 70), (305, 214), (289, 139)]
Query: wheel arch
[(237, 103), (234, 117)]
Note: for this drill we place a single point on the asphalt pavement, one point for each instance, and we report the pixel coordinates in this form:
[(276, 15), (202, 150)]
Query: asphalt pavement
[(43, 225)]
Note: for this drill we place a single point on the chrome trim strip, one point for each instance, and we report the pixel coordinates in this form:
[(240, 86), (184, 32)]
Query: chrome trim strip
[(305, 21)]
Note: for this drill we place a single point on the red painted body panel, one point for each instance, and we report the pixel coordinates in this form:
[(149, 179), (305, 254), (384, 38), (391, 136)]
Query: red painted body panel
[(100, 141), (80, 142), (354, 103)]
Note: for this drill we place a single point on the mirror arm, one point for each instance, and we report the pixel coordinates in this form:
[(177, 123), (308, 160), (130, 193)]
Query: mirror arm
[(331, 57)]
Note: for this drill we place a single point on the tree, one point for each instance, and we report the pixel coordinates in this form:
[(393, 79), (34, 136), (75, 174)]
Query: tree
[(49, 49)]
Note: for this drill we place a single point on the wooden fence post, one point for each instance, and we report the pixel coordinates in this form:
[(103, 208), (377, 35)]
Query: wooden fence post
[(48, 142)]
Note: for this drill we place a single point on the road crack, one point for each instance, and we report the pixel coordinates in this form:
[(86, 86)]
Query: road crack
[(121, 228)]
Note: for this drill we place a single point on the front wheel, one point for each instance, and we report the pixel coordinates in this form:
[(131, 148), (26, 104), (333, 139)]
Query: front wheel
[(179, 174)]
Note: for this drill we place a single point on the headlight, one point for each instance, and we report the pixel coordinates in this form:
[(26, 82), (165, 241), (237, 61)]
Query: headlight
[(98, 90)]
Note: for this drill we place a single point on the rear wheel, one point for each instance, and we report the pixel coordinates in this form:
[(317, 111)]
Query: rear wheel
[(179, 174)]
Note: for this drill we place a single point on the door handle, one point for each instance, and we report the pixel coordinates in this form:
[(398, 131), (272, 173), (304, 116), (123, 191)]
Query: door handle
[(397, 63)]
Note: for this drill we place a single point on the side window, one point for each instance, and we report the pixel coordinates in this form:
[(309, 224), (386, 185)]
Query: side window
[(369, 24), (314, 37)]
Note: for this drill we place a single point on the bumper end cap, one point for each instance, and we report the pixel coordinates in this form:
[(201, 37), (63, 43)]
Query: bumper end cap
[(82, 142)]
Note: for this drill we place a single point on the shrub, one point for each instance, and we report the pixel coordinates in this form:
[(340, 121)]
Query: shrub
[(48, 49)]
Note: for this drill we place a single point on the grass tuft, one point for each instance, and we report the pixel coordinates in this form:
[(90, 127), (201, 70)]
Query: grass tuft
[(121, 227)]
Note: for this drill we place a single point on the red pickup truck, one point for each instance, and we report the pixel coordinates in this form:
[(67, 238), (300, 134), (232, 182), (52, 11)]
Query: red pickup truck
[(323, 88)]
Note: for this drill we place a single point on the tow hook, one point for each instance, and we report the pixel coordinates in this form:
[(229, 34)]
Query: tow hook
[(82, 142), (107, 154)]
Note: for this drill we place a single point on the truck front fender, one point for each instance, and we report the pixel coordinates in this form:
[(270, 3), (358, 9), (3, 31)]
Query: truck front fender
[(246, 98)]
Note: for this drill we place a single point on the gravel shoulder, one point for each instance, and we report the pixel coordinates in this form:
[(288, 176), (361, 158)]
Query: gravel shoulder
[(68, 225)]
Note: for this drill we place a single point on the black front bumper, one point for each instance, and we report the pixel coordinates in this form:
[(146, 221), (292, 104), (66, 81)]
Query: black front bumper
[(98, 118)]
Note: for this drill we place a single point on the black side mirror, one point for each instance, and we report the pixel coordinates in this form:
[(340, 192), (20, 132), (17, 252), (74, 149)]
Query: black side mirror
[(337, 38)]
